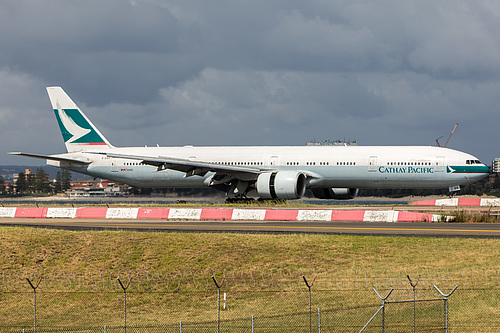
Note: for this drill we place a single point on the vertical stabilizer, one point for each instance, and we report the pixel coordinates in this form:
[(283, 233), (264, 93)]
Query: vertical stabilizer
[(78, 132)]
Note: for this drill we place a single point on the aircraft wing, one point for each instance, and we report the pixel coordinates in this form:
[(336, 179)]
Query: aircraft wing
[(51, 157), (194, 168)]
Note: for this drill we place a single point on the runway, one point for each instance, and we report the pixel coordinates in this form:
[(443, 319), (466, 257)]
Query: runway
[(405, 229)]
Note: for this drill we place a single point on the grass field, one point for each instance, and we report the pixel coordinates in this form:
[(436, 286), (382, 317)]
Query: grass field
[(347, 267), (55, 250)]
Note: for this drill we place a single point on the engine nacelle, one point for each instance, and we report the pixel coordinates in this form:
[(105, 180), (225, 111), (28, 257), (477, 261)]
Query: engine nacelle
[(336, 193), (281, 185)]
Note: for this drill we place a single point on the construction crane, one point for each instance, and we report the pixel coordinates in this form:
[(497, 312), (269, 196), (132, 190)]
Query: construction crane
[(452, 131)]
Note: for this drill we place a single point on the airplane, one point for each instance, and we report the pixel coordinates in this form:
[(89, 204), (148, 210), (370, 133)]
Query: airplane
[(273, 172)]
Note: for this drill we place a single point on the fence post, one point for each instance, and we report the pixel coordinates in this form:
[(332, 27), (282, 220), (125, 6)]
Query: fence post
[(218, 299), (381, 308), (124, 302), (34, 299), (319, 320), (413, 285), (445, 306), (309, 286)]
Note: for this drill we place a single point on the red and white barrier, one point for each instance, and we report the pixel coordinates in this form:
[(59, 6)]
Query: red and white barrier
[(153, 213), (348, 215), (224, 214), (122, 213), (455, 202), (249, 214), (92, 213), (185, 213), (34, 212), (61, 212), (216, 214), (7, 211), (314, 215), (281, 215)]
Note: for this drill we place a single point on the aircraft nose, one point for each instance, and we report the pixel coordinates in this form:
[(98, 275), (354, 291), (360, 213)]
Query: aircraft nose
[(484, 169), (481, 171)]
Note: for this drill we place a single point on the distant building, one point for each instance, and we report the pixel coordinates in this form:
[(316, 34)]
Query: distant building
[(496, 165), (332, 143), (97, 188), (15, 178), (26, 173), (8, 187)]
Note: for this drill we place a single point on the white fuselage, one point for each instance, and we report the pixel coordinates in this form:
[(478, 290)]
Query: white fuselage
[(325, 166)]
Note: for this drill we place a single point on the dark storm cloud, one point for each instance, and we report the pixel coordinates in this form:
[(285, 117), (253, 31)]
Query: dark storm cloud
[(92, 45), (253, 72)]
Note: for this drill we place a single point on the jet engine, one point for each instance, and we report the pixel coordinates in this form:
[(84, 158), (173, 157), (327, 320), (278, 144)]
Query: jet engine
[(336, 193), (281, 185)]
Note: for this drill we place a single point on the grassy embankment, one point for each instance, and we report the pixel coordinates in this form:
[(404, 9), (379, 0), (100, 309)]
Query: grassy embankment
[(58, 250), (26, 251)]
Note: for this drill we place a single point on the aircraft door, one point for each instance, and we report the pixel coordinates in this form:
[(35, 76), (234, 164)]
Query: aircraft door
[(273, 161), (114, 166), (439, 163), (372, 164)]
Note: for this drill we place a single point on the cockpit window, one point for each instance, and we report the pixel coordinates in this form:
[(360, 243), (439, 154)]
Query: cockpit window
[(473, 162)]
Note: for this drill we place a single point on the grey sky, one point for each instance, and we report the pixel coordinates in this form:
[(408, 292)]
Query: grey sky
[(253, 72)]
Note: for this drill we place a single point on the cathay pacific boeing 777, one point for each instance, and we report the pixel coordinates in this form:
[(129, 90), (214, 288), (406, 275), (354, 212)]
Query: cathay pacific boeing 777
[(285, 172)]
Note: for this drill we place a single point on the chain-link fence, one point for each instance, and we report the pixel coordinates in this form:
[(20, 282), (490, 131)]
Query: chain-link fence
[(268, 300)]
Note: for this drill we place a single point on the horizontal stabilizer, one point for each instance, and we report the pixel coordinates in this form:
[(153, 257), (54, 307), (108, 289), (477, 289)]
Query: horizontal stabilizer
[(49, 157)]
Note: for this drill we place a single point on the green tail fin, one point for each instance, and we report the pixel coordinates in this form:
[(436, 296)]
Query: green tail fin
[(78, 132)]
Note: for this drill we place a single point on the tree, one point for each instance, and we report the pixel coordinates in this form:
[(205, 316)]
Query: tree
[(30, 183), (41, 181), (2, 185), (63, 181), (21, 183), (58, 186)]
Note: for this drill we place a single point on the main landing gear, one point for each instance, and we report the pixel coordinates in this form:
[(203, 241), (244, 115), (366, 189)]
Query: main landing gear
[(240, 200), (250, 201)]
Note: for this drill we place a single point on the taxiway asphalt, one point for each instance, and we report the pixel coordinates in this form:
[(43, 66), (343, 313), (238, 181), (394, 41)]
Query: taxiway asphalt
[(403, 229)]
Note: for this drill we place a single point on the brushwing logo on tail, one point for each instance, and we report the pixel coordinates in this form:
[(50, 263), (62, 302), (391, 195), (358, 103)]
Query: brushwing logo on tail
[(71, 127), (75, 128)]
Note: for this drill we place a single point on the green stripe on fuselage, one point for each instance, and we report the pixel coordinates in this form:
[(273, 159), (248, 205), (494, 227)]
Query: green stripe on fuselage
[(467, 169)]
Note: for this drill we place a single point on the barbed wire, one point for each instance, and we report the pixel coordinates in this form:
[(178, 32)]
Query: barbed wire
[(264, 278)]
